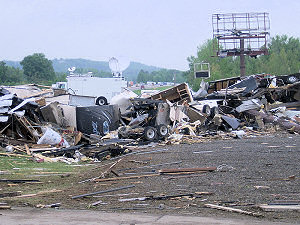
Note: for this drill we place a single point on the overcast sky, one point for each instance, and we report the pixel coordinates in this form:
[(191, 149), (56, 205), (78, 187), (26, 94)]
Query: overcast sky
[(154, 32)]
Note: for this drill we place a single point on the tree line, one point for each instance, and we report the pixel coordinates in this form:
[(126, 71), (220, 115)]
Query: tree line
[(283, 59), (38, 69), (162, 75)]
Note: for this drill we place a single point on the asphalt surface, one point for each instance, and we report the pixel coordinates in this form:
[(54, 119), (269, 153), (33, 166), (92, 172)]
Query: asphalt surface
[(82, 217), (251, 171)]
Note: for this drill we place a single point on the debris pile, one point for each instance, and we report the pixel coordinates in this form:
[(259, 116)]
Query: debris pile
[(45, 132), (235, 107)]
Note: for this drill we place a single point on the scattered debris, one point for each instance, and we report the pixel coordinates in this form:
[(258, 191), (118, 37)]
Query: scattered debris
[(18, 181), (38, 193), (163, 197), (5, 206), (125, 178), (187, 170), (238, 105), (101, 192), (54, 205), (230, 209), (42, 127), (279, 207)]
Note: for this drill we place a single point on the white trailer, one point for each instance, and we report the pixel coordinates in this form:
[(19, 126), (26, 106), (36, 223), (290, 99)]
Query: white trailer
[(103, 89)]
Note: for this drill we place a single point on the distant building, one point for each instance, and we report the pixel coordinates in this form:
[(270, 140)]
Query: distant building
[(151, 83)]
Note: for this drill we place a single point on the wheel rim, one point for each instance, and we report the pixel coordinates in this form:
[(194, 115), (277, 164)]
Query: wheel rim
[(101, 102), (207, 111), (163, 131), (150, 133)]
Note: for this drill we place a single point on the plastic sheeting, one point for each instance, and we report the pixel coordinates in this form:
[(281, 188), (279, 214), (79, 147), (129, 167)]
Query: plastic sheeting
[(97, 120)]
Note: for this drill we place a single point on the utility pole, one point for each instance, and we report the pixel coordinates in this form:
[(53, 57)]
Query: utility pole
[(242, 58)]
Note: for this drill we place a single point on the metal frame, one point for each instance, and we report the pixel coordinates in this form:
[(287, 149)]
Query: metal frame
[(230, 28), (240, 34), (201, 69)]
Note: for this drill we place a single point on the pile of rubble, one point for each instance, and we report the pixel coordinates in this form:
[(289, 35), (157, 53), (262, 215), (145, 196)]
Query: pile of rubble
[(67, 128)]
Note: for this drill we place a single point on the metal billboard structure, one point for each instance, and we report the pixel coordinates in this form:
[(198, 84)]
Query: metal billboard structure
[(240, 34)]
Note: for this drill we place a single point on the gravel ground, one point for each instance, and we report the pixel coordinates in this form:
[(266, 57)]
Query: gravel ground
[(255, 170)]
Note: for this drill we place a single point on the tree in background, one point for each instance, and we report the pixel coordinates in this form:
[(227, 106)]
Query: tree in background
[(60, 77), (163, 75), (143, 77), (3, 72), (283, 59), (10, 75), (38, 69)]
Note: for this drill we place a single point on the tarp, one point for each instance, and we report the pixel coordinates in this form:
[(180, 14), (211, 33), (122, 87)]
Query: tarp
[(97, 120)]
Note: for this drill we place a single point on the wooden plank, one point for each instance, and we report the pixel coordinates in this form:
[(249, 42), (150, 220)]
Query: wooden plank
[(279, 208), (27, 149), (187, 170), (40, 146), (109, 169), (5, 206), (230, 209), (12, 154), (18, 148), (186, 176), (105, 191), (43, 92), (39, 193), (125, 178)]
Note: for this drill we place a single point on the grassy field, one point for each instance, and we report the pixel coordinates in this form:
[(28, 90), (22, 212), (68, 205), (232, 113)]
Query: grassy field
[(19, 166), (138, 92), (43, 179)]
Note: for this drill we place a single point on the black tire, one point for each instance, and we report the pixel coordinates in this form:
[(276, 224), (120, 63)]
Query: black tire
[(214, 111), (206, 109), (162, 130), (101, 101), (150, 133)]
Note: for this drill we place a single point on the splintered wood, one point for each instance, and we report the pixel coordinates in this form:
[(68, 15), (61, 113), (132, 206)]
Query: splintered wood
[(230, 209)]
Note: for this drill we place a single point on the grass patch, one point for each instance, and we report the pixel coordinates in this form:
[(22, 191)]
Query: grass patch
[(17, 167), (52, 176), (162, 88)]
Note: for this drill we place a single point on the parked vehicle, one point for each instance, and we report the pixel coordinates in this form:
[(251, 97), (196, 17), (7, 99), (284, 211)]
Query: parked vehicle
[(103, 89)]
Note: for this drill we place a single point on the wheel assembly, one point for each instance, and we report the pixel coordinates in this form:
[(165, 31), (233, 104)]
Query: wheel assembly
[(214, 111), (162, 130), (206, 109), (150, 133), (101, 101)]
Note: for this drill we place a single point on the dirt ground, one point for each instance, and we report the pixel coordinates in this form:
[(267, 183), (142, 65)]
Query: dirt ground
[(252, 171)]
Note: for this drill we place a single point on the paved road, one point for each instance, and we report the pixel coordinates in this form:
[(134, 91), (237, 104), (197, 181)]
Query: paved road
[(82, 217)]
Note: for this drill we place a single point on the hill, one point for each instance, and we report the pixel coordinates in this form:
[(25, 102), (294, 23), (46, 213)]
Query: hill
[(62, 65)]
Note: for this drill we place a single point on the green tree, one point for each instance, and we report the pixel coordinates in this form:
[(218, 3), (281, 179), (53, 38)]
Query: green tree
[(283, 58), (220, 67), (143, 77), (38, 69), (3, 72), (10, 75)]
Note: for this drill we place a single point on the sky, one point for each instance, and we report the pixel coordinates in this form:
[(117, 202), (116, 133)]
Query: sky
[(161, 33)]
